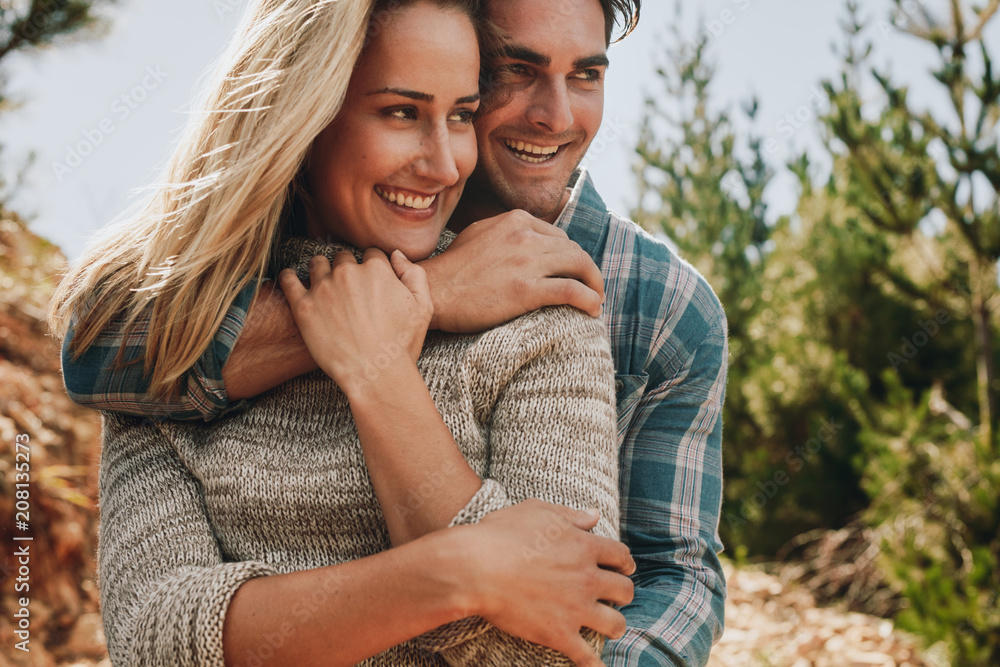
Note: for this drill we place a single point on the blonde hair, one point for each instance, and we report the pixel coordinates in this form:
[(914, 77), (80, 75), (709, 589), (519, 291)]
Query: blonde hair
[(209, 227)]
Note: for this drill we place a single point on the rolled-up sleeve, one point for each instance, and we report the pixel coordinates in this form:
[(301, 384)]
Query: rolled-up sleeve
[(94, 380), (165, 587)]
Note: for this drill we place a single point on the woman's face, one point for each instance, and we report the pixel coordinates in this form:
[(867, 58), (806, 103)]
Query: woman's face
[(389, 170)]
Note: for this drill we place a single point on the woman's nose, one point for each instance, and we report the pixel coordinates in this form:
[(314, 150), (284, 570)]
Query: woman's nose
[(437, 160)]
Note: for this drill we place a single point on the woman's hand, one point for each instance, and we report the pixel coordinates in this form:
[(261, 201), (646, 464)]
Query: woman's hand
[(360, 320), (542, 576)]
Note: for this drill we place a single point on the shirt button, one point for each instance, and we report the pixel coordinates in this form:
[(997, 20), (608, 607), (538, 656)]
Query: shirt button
[(619, 386)]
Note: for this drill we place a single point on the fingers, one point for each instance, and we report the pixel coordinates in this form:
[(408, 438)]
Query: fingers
[(559, 291), (615, 588), (524, 219), (374, 255), (413, 277), (582, 519), (341, 258), (291, 287), (319, 268), (608, 621), (409, 273), (614, 555), (586, 271), (577, 265), (580, 652)]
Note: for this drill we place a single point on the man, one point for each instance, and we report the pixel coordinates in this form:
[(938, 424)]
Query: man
[(544, 104)]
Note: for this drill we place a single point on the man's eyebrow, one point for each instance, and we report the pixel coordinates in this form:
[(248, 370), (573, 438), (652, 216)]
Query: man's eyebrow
[(518, 52), (596, 60), (403, 92)]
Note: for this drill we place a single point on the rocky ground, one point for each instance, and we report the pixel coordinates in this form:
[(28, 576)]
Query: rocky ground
[(769, 623)]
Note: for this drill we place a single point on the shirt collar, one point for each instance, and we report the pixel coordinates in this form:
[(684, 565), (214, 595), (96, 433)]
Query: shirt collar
[(585, 216)]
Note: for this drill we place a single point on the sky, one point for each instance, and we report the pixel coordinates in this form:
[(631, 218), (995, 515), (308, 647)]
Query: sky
[(102, 116)]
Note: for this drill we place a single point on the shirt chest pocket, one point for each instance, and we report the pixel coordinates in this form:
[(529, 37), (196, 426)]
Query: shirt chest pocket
[(628, 391)]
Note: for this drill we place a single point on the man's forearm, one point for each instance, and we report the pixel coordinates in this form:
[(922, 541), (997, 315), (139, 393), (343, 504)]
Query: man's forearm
[(269, 351)]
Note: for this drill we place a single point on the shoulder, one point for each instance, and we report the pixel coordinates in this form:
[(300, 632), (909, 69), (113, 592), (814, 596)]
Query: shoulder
[(547, 330), (657, 297), (561, 337)]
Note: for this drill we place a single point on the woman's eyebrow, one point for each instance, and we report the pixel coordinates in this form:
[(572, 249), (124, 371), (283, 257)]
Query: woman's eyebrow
[(421, 97), (403, 92)]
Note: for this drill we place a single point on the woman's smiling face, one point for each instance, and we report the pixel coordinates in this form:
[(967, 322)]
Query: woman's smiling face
[(389, 170)]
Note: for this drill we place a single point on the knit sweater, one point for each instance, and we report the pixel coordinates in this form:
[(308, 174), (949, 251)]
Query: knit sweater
[(190, 511)]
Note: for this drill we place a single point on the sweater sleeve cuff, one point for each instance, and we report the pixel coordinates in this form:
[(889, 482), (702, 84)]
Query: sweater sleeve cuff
[(187, 614), (490, 497)]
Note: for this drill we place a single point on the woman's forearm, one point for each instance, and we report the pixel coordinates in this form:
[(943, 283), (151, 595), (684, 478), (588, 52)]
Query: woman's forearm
[(409, 449), (342, 614)]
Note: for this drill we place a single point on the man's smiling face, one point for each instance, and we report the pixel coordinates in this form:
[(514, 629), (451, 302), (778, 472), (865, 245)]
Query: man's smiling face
[(544, 102)]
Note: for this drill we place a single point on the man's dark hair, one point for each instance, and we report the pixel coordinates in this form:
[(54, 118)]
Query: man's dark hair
[(622, 12)]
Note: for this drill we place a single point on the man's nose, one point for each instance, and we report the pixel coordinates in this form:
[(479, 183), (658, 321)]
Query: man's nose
[(550, 108)]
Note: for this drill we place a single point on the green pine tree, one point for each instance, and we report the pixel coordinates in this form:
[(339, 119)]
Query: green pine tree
[(923, 192)]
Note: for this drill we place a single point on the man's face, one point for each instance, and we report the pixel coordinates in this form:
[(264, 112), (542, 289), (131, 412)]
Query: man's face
[(545, 101)]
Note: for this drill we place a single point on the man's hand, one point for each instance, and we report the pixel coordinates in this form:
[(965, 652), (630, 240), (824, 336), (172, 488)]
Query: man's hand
[(543, 577), (503, 267)]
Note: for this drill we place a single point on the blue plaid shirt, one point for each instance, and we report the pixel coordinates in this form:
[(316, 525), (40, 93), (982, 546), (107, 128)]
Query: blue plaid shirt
[(668, 334), (669, 342)]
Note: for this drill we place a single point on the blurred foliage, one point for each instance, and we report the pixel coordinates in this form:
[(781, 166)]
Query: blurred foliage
[(863, 328), (38, 23), (63, 438)]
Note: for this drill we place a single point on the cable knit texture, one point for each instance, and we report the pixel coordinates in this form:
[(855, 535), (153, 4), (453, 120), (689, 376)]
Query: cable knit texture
[(190, 511)]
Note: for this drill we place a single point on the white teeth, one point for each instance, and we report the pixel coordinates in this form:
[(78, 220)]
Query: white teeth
[(409, 201), (521, 147)]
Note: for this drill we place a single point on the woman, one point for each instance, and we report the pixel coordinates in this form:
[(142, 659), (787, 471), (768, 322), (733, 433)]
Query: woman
[(267, 535)]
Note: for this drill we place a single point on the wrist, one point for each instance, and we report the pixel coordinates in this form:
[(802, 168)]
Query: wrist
[(438, 292), (375, 387), (454, 564)]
